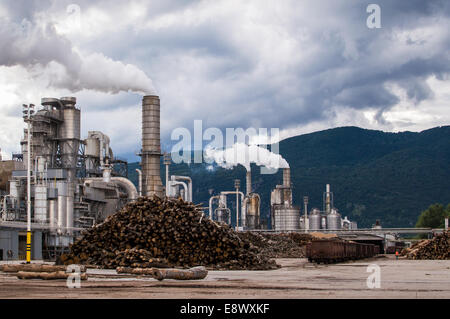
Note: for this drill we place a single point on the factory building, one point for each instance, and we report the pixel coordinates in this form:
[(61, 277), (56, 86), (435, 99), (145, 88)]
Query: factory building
[(75, 183), (248, 206), (284, 216), (326, 219)]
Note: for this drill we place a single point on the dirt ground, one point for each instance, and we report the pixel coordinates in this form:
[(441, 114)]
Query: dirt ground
[(296, 279)]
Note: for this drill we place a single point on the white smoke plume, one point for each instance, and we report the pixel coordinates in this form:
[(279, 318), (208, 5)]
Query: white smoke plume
[(243, 154), (35, 45)]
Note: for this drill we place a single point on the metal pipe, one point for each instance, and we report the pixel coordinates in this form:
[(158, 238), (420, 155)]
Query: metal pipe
[(122, 181), (185, 178), (210, 205), (28, 249), (167, 161), (182, 184), (244, 211), (237, 193), (139, 181)]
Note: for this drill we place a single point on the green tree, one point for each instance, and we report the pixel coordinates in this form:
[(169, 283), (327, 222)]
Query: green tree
[(433, 217)]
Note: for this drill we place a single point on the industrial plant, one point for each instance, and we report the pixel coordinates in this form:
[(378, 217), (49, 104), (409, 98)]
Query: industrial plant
[(73, 184), (67, 201)]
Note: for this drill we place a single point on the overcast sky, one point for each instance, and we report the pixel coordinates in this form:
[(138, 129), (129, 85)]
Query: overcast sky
[(300, 66)]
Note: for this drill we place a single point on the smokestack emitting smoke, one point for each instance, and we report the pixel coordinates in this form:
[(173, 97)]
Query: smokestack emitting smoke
[(32, 44), (244, 154)]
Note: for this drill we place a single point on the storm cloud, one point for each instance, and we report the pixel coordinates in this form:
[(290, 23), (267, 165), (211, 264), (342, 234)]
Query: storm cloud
[(295, 65)]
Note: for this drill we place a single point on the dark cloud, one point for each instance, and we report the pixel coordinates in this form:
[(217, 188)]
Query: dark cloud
[(268, 64)]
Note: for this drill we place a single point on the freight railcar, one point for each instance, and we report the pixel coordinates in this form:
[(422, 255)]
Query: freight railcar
[(333, 251)]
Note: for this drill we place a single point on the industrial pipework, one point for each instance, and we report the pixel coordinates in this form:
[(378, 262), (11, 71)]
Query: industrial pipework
[(251, 205), (284, 216)]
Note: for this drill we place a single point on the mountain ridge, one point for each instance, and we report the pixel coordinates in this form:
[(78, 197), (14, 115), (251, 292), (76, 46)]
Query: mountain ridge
[(373, 174)]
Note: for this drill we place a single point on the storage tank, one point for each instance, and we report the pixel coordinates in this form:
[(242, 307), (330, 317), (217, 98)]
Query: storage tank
[(62, 206), (92, 147), (52, 213), (286, 218), (252, 215), (40, 203), (334, 220), (223, 215), (323, 222), (314, 219)]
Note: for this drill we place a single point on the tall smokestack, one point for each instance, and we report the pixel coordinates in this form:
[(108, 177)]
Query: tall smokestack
[(287, 177), (151, 147), (248, 182), (328, 199)]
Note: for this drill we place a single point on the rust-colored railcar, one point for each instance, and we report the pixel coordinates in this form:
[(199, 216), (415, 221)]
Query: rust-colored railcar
[(332, 251)]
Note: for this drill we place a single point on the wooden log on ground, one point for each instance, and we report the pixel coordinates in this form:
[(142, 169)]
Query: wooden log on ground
[(135, 271), (194, 273), (36, 268), (48, 275)]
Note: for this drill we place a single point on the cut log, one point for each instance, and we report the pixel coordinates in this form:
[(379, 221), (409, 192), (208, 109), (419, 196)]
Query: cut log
[(35, 268), (194, 273), (48, 275), (436, 248)]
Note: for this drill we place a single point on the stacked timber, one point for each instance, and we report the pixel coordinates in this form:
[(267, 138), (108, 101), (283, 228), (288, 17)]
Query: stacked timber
[(153, 231), (436, 248)]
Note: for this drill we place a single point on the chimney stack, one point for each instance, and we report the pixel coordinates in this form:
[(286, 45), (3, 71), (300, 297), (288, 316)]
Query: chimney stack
[(287, 177), (151, 147), (248, 182)]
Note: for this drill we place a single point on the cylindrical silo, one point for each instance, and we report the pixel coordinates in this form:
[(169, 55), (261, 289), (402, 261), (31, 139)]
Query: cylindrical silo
[(252, 213), (222, 215), (323, 222), (40, 203), (92, 153), (286, 218), (62, 206), (151, 147), (69, 135), (52, 213), (69, 207), (334, 220), (314, 219)]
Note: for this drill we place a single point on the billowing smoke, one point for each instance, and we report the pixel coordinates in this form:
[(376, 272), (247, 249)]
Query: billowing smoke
[(32, 45), (243, 154)]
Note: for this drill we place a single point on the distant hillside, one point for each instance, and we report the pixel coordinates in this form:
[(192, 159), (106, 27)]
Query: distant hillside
[(373, 174)]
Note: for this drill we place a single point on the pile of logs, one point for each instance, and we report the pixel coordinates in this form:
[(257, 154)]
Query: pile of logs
[(156, 232), (436, 248), (41, 271), (284, 245)]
